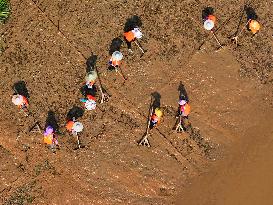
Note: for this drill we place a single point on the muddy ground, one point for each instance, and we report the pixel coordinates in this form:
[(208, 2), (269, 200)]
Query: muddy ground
[(46, 45)]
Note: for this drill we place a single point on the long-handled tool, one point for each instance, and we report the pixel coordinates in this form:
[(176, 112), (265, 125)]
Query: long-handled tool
[(119, 71), (36, 128), (235, 38), (144, 141), (140, 47), (104, 95), (78, 141), (25, 110), (179, 127), (217, 40)]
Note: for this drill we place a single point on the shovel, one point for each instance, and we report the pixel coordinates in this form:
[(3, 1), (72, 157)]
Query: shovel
[(179, 128), (104, 96), (78, 141), (217, 40), (119, 71), (144, 141), (235, 38), (140, 48)]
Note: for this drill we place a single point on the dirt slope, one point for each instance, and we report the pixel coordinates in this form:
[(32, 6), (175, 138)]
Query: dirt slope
[(244, 177)]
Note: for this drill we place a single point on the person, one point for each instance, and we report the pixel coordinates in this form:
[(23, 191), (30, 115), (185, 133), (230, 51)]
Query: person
[(74, 127), (21, 101), (155, 118), (184, 108), (90, 79), (50, 138), (115, 60), (89, 102), (209, 22), (131, 36), (254, 26)]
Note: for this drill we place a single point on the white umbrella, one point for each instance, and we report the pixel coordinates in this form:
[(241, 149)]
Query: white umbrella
[(77, 127), (17, 99), (138, 34), (90, 105), (208, 24), (117, 56)]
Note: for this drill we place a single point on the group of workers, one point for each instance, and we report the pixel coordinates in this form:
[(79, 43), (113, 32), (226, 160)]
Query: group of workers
[(89, 100)]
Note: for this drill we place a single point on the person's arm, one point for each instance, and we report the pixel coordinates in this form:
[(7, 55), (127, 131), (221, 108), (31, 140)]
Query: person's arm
[(83, 100)]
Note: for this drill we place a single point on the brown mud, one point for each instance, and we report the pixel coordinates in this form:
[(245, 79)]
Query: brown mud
[(230, 91)]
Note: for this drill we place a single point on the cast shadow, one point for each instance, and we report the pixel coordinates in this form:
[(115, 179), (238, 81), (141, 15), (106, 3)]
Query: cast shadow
[(183, 95), (91, 63), (206, 12), (88, 91), (52, 121), (115, 45), (75, 112), (156, 103), (250, 13), (132, 23), (21, 88)]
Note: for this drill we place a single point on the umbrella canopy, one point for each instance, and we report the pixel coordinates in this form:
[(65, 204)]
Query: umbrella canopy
[(17, 99), (77, 127), (117, 56), (208, 24)]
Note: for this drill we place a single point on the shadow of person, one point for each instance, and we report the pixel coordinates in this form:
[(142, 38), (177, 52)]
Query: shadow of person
[(115, 45), (21, 88), (250, 13), (132, 23), (156, 103), (206, 12), (75, 112), (52, 121), (91, 63), (88, 91), (183, 95)]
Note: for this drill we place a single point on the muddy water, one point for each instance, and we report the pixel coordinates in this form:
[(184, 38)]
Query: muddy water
[(245, 177)]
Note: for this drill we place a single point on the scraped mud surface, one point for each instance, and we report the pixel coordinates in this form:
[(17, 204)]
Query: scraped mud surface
[(46, 44)]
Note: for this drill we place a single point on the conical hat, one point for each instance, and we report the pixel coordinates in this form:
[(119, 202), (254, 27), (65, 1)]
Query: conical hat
[(137, 33), (117, 56), (208, 24), (17, 99), (91, 76), (77, 127), (158, 112)]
